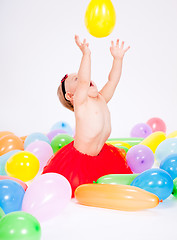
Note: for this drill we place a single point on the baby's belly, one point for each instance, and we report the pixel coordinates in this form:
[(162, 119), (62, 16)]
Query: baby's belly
[(90, 139)]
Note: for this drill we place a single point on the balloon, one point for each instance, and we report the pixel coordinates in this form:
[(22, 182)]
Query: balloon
[(42, 150), (5, 133), (63, 126), (141, 130), (19, 226), (23, 138), (3, 160), (157, 124), (11, 196), (47, 196), (35, 137), (165, 148), (9, 143), (119, 197), (140, 158), (100, 18), (122, 147), (130, 141), (175, 188), (54, 133), (23, 165), (119, 144), (2, 214), (24, 186), (153, 140), (123, 179), (169, 164), (172, 135), (60, 141), (156, 181)]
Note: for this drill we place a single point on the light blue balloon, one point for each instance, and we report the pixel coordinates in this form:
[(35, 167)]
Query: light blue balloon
[(156, 181), (166, 148), (64, 126), (3, 160), (11, 196), (169, 164), (35, 137)]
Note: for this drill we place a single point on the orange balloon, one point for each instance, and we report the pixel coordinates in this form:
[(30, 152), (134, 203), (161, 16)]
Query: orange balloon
[(119, 197), (4, 133), (9, 143), (23, 138)]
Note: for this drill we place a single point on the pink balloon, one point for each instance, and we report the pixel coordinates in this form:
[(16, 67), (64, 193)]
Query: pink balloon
[(47, 196), (16, 180), (42, 150), (157, 124)]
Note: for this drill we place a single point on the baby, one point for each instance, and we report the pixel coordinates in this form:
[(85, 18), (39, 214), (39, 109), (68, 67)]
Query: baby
[(88, 157)]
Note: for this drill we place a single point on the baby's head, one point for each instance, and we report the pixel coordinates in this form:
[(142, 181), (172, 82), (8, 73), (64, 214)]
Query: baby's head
[(67, 88)]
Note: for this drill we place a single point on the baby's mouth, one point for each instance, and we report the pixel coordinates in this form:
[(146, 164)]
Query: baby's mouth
[(91, 84)]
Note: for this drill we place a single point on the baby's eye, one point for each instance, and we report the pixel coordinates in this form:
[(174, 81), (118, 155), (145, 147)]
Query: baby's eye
[(76, 79)]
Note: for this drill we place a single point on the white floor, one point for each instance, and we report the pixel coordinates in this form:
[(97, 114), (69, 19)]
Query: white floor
[(89, 223)]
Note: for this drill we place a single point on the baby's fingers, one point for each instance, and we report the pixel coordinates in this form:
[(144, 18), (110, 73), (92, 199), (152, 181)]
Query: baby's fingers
[(126, 49), (77, 40)]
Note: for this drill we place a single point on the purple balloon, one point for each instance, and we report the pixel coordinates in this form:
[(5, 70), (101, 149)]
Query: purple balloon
[(47, 196), (140, 158), (54, 133), (141, 130), (42, 150)]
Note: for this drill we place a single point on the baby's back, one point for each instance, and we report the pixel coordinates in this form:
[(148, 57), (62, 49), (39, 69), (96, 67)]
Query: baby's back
[(93, 126)]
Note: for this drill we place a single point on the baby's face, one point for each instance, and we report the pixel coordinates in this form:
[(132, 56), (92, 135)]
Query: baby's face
[(71, 85)]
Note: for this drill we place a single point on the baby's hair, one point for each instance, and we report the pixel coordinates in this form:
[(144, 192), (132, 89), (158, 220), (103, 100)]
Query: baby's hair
[(61, 95)]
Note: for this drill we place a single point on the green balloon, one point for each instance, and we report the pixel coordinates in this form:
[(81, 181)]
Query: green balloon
[(60, 141), (123, 179), (2, 214), (175, 187), (125, 148), (131, 141), (19, 226)]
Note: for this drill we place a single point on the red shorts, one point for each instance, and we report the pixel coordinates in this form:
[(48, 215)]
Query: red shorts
[(81, 168)]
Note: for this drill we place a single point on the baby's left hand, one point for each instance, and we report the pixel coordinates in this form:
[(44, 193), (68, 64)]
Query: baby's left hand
[(116, 51)]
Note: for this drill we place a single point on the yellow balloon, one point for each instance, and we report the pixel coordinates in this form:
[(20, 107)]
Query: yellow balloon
[(100, 18), (22, 165), (153, 140), (119, 143), (172, 135)]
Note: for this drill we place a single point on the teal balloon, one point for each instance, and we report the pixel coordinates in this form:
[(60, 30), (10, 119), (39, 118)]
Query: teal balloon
[(37, 136), (3, 160), (19, 226), (11, 196), (166, 148), (156, 181), (64, 126), (60, 141)]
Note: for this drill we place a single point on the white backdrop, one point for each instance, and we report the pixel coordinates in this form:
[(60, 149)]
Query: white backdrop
[(37, 48)]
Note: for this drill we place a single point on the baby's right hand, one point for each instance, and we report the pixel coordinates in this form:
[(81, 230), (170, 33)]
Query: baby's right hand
[(84, 47)]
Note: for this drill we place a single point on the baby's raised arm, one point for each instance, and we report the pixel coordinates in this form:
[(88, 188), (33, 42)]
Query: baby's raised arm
[(114, 76), (84, 73)]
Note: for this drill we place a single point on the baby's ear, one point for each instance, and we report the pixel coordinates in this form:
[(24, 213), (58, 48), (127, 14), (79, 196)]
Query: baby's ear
[(69, 96)]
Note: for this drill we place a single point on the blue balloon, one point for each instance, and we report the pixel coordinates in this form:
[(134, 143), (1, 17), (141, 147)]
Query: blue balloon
[(11, 196), (64, 126), (3, 160), (156, 181), (35, 137), (166, 148), (169, 164)]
